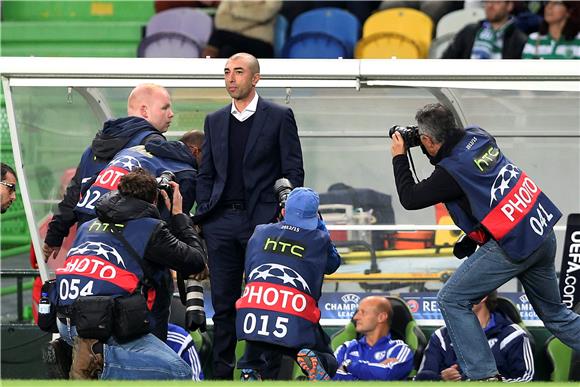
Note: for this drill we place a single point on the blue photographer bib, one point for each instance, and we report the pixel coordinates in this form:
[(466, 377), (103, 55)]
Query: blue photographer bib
[(98, 264), (502, 197), (284, 273), (124, 162)]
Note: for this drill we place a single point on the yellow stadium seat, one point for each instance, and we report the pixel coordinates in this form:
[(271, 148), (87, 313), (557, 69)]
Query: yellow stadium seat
[(386, 45), (407, 22)]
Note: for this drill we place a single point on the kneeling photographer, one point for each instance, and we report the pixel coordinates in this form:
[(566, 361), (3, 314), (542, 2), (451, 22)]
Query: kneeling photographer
[(284, 269), (501, 210), (115, 288)]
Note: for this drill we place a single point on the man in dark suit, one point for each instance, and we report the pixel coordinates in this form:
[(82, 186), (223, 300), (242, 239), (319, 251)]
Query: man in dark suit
[(248, 146)]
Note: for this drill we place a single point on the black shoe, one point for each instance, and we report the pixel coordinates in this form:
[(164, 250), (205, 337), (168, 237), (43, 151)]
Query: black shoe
[(57, 355)]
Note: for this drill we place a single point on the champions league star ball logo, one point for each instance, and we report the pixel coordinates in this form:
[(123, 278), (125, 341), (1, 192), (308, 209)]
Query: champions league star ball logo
[(502, 182), (99, 249), (127, 162), (283, 273)]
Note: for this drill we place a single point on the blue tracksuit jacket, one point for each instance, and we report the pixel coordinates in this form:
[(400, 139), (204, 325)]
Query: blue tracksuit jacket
[(509, 344), (368, 363)]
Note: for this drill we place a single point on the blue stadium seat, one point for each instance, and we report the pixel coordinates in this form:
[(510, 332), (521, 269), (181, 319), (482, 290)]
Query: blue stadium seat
[(280, 34), (319, 30)]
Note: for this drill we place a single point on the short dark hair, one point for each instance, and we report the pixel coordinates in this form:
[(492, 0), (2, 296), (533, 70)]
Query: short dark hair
[(193, 138), (139, 184), (7, 169), (436, 121), (491, 301)]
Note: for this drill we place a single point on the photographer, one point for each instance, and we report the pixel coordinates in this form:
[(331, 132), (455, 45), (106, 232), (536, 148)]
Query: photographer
[(286, 262), (126, 252), (502, 211), (167, 160)]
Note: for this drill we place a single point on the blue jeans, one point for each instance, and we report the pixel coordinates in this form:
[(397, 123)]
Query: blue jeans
[(487, 269), (145, 358)]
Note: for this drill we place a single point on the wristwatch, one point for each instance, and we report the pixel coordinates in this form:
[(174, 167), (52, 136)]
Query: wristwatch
[(345, 364)]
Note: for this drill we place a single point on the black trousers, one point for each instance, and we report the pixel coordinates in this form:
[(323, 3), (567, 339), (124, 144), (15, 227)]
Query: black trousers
[(226, 234)]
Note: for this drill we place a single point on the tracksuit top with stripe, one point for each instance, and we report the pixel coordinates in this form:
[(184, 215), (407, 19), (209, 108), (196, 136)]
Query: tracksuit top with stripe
[(368, 363), (284, 271), (509, 344), (182, 344), (124, 162), (504, 201)]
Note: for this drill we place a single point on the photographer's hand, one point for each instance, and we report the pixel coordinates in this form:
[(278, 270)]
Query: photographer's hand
[(398, 145), (177, 199)]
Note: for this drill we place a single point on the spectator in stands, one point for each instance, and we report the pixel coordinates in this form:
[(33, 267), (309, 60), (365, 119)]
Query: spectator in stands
[(375, 356), (559, 36), (509, 344), (435, 9), (243, 26), (7, 188), (494, 38)]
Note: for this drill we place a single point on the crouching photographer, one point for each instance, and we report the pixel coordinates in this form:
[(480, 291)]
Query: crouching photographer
[(115, 288), (284, 269), (501, 210)]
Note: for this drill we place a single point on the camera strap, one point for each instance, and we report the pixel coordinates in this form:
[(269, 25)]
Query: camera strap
[(146, 271), (410, 157)]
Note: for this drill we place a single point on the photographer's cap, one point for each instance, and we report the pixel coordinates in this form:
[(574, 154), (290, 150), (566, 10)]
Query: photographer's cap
[(302, 208)]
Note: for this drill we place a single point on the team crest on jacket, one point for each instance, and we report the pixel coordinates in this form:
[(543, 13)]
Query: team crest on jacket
[(380, 355), (284, 275), (503, 182), (98, 249), (127, 162)]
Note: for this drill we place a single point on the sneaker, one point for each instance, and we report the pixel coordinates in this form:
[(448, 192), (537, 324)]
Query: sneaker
[(310, 364), (57, 355), (250, 375), (86, 364)]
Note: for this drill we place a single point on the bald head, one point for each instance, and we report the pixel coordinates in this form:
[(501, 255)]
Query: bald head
[(373, 317), (380, 305), (153, 103)]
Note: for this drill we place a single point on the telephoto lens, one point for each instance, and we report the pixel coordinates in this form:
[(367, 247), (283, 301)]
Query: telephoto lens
[(194, 306), (282, 187)]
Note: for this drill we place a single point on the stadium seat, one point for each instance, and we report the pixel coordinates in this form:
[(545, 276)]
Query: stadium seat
[(560, 357), (409, 23), (176, 33), (320, 27), (404, 327), (280, 35), (456, 20), (314, 45), (387, 45), (439, 45)]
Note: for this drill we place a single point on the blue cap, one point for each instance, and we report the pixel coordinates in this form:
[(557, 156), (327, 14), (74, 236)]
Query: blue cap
[(302, 208)]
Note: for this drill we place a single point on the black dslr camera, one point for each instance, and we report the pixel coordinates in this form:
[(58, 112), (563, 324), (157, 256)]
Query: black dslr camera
[(163, 182), (282, 187), (410, 134)]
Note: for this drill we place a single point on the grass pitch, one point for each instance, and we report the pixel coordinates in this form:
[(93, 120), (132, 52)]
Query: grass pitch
[(156, 383)]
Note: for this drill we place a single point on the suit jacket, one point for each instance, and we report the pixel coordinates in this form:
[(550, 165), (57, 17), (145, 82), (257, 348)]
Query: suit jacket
[(272, 151)]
